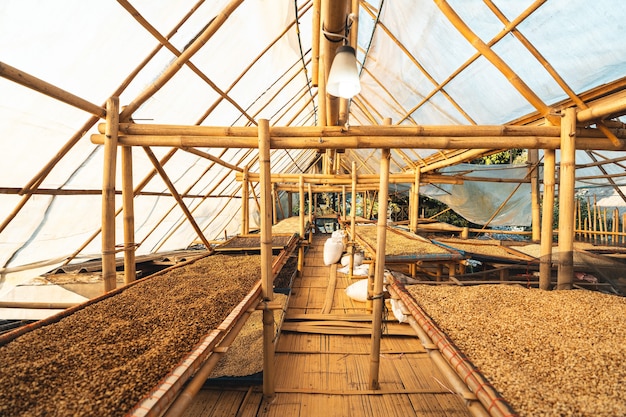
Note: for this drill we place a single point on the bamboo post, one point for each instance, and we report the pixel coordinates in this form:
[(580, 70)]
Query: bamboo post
[(533, 159), (245, 203), (108, 195), (566, 200), (414, 202), (353, 219), (130, 272), (547, 218), (310, 193), (623, 240), (302, 231), (615, 229), (266, 258), (378, 296), (315, 43), (343, 203)]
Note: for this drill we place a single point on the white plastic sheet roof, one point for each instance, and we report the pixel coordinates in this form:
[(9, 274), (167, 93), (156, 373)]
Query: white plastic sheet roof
[(416, 68)]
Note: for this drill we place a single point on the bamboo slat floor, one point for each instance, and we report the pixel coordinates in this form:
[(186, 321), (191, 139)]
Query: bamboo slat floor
[(320, 374)]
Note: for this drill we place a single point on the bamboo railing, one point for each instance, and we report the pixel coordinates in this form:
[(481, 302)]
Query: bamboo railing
[(599, 225)]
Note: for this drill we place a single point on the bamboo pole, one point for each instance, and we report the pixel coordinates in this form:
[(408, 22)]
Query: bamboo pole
[(547, 218), (315, 43), (109, 275), (415, 195), (566, 200), (343, 203), (302, 229), (130, 273), (364, 142), (378, 295), (266, 258), (181, 59), (34, 83), (616, 104), (492, 57), (353, 219), (310, 193), (499, 131), (533, 160), (177, 197), (245, 203)]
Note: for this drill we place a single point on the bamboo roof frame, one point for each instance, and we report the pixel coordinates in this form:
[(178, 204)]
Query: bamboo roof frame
[(588, 112)]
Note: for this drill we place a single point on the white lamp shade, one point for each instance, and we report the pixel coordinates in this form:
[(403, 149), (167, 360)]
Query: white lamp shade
[(343, 79)]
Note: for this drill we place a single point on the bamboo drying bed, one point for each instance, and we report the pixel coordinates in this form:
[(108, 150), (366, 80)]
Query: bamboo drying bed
[(290, 225), (486, 250), (252, 242), (133, 348), (403, 247)]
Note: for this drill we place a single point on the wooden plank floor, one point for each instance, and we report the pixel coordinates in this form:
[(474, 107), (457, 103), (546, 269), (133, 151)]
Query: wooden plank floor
[(320, 374)]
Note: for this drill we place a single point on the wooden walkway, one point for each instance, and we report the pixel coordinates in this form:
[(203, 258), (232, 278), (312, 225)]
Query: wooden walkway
[(323, 368)]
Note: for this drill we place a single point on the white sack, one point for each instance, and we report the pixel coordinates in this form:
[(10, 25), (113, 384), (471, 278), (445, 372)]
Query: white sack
[(358, 290), (397, 310), (332, 251), (358, 259)]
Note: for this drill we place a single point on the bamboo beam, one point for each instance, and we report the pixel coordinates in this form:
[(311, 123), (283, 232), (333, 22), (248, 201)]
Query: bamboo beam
[(132, 129), (333, 21), (614, 105), (109, 275), (547, 218), (181, 59), (366, 142), (34, 83), (566, 200), (130, 273), (212, 158), (492, 57), (378, 295), (177, 197), (315, 43), (266, 258)]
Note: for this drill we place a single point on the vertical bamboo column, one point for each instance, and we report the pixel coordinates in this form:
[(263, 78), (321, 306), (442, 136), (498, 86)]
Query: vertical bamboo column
[(343, 203), (566, 200), (547, 218), (310, 192), (378, 296), (353, 219), (533, 159), (414, 202), (315, 43), (266, 257), (302, 231), (245, 202), (108, 194), (130, 273)]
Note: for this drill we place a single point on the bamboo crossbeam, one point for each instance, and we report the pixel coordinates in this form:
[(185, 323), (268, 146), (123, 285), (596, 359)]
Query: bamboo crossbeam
[(615, 105), (367, 142), (346, 179), (176, 195), (132, 129), (181, 59), (34, 83)]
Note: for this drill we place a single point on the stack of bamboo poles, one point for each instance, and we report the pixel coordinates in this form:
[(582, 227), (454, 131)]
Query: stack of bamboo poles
[(600, 225)]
